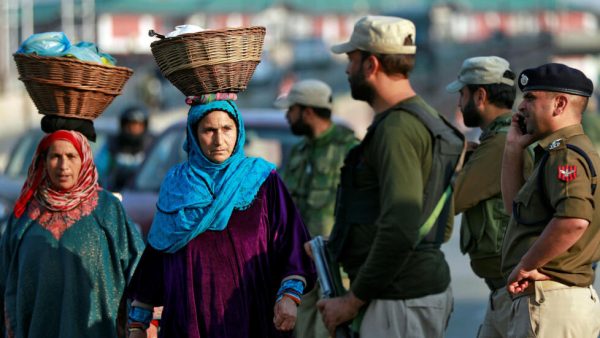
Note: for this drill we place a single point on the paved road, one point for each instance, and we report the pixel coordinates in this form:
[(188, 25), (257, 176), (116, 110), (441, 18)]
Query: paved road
[(470, 293)]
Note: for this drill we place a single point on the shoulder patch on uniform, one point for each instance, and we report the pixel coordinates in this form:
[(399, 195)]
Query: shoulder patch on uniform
[(567, 173), (554, 144)]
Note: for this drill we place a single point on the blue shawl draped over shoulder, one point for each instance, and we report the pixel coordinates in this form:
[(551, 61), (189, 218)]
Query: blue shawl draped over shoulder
[(199, 195)]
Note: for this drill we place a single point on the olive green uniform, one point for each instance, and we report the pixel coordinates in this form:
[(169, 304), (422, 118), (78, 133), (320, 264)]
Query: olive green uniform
[(380, 257), (478, 197), (560, 187), (312, 176)]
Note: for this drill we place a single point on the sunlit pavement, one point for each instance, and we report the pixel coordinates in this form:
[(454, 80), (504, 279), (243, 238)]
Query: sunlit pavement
[(470, 292)]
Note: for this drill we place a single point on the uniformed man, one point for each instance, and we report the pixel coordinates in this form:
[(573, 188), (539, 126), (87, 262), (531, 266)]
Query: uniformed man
[(394, 198), (312, 174), (122, 156), (487, 93), (553, 235)]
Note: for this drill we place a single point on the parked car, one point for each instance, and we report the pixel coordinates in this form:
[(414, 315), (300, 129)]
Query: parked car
[(267, 136), (5, 209)]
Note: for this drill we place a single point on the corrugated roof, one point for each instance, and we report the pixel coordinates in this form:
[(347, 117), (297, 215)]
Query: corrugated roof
[(509, 5), (50, 9), (173, 7), (177, 7)]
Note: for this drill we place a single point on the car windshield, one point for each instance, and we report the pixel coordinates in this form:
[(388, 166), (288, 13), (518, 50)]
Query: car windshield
[(21, 155), (271, 143)]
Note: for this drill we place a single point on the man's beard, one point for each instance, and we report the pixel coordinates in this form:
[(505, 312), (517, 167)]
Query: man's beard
[(359, 88), (299, 128), (129, 143), (471, 116)]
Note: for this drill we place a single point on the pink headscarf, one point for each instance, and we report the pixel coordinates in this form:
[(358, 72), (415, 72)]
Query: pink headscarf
[(38, 184)]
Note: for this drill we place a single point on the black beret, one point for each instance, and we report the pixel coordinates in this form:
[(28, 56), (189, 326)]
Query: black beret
[(556, 77)]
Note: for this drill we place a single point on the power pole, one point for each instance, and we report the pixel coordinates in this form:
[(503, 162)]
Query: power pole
[(27, 23), (5, 51), (88, 20), (26, 31), (12, 39), (67, 10)]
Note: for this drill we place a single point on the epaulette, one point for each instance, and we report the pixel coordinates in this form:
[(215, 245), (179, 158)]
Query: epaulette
[(556, 144)]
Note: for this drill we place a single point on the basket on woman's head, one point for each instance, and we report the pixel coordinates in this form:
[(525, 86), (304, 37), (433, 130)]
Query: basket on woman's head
[(70, 87), (74, 81), (210, 61)]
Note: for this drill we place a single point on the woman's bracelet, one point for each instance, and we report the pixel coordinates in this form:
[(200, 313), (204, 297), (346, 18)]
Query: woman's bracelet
[(294, 298), (139, 317), (292, 289)]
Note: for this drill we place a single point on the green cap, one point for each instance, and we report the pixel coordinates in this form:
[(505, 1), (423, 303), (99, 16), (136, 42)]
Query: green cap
[(481, 70), (381, 35)]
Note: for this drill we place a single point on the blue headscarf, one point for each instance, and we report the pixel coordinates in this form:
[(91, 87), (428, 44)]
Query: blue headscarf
[(199, 195)]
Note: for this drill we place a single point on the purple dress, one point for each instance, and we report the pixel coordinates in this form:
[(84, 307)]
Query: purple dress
[(223, 283)]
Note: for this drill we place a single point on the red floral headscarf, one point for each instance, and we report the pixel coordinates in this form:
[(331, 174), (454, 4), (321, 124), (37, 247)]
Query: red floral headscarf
[(38, 184)]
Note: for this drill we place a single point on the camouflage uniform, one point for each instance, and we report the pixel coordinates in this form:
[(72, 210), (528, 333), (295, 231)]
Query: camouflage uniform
[(312, 176), (313, 173)]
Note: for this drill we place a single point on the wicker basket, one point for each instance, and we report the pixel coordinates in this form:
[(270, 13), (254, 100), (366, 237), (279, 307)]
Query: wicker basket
[(210, 61), (69, 87)]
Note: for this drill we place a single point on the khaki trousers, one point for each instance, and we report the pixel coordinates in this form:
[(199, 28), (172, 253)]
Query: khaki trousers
[(556, 310), (409, 318), (309, 323), (497, 315)]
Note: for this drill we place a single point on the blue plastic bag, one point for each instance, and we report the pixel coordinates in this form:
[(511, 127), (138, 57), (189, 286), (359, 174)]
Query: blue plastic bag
[(57, 44), (46, 44), (92, 47), (84, 51)]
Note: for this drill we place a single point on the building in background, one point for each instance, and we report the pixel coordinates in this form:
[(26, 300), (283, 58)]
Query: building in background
[(299, 33)]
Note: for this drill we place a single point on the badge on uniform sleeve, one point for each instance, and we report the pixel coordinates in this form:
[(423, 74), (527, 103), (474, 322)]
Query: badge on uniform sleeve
[(567, 173)]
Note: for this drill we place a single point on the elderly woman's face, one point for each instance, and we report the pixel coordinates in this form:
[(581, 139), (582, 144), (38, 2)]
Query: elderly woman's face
[(217, 135), (63, 165)]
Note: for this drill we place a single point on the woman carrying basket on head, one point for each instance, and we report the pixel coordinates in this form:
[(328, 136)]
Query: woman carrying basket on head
[(68, 249), (225, 255)]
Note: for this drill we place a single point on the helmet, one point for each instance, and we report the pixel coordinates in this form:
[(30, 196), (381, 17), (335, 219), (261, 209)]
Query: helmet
[(134, 114)]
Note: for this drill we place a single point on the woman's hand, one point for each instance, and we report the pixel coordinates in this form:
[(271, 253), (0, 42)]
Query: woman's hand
[(285, 314), (308, 250)]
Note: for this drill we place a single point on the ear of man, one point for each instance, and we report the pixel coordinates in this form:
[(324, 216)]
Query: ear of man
[(372, 65), (561, 103), (480, 96)]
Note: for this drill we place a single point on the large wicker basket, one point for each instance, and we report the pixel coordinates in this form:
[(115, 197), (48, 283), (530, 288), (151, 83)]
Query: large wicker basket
[(69, 87), (210, 61)]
